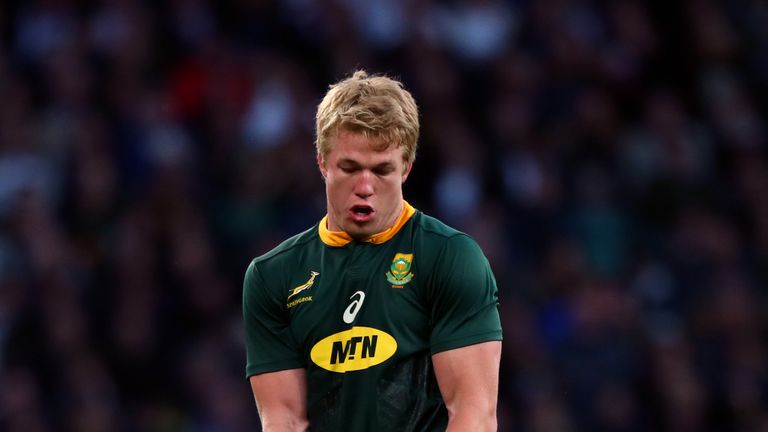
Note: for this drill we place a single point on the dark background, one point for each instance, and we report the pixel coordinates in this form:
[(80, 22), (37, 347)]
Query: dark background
[(609, 157)]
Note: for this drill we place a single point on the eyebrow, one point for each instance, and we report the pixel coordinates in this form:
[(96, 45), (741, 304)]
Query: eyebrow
[(351, 162)]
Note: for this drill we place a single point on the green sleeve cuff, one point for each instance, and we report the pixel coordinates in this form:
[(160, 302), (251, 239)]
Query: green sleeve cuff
[(460, 342)]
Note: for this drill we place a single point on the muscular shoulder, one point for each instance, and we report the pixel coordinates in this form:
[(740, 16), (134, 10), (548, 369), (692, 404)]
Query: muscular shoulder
[(434, 228), (440, 242), (273, 265), (438, 236), (288, 249)]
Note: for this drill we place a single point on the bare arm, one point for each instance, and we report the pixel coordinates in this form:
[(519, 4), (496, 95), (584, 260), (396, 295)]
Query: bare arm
[(281, 398), (469, 382)]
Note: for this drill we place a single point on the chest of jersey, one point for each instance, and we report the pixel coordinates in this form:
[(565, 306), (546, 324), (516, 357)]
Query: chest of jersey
[(360, 305)]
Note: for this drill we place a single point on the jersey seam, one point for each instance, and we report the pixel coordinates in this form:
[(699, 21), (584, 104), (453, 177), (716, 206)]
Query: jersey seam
[(439, 258), (299, 242), (443, 235)]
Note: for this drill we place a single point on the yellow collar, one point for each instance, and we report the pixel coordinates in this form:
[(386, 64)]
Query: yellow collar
[(341, 238)]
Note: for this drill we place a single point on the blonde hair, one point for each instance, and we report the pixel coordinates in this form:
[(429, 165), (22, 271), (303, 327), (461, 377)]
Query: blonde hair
[(378, 107)]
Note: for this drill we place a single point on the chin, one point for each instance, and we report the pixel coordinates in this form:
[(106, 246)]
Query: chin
[(360, 234), (360, 231)]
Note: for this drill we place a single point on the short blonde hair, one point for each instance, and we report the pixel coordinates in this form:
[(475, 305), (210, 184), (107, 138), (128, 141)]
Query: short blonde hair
[(378, 107)]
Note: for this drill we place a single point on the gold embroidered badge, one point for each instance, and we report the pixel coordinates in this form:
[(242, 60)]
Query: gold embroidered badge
[(305, 286), (399, 272)]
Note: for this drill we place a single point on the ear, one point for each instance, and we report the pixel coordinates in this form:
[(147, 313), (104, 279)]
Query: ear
[(321, 165), (407, 171)]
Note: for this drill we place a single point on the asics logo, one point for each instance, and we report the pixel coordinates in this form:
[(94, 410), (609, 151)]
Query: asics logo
[(351, 312)]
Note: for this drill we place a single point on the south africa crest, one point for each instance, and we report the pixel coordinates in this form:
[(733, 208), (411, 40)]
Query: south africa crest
[(399, 272)]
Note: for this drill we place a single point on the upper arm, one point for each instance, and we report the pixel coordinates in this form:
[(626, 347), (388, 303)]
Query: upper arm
[(466, 335), (269, 343), (275, 367), (463, 297), (281, 398), (469, 382)]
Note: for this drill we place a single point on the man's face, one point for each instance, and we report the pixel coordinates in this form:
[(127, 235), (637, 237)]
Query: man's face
[(364, 187)]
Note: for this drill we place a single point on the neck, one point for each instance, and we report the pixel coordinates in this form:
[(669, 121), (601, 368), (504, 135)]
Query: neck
[(333, 236)]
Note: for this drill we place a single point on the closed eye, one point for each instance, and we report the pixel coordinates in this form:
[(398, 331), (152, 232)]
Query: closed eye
[(383, 169), (349, 167)]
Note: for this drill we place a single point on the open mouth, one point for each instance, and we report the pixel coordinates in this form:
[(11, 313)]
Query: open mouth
[(362, 210)]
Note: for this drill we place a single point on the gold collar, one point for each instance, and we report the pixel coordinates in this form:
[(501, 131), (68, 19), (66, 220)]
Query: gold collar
[(341, 238)]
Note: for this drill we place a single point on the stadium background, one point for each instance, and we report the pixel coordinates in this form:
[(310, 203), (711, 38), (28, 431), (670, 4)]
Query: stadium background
[(610, 157)]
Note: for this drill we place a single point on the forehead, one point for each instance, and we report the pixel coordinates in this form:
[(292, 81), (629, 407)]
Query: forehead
[(356, 146)]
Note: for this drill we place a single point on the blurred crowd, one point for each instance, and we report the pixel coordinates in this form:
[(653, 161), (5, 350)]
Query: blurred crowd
[(611, 158)]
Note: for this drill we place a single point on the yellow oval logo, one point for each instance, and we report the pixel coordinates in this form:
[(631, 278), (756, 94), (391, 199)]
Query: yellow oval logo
[(355, 349)]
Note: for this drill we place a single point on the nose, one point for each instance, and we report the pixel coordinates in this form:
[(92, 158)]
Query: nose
[(364, 185)]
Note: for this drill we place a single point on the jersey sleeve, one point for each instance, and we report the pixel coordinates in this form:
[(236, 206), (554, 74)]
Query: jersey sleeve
[(464, 297), (269, 343)]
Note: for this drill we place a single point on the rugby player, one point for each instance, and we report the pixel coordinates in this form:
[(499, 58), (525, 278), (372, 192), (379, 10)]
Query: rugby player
[(379, 317)]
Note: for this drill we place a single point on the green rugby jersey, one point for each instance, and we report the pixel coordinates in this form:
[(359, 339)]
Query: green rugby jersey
[(364, 318)]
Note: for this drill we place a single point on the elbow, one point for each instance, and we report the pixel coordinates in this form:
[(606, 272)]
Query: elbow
[(292, 425), (472, 418)]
